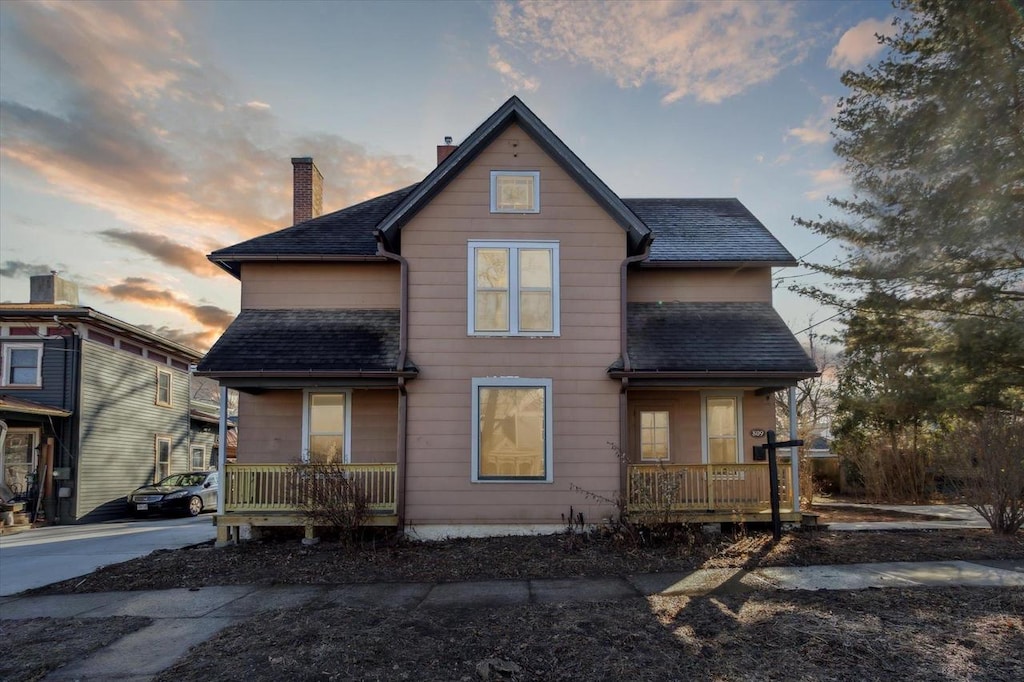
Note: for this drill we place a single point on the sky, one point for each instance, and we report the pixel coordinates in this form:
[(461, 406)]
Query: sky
[(135, 138)]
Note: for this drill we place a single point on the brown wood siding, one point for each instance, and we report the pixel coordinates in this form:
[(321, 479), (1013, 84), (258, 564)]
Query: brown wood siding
[(585, 401), (374, 426), (270, 426), (320, 285), (695, 285)]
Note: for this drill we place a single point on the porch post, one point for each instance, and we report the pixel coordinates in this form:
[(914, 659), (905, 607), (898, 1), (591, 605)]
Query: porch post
[(794, 452), (222, 451)]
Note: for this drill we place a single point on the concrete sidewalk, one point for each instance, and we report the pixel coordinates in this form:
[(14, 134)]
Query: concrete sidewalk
[(947, 516), (183, 618)]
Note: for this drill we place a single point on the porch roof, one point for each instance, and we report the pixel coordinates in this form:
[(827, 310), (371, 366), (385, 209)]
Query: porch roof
[(308, 343), (21, 406), (738, 341)]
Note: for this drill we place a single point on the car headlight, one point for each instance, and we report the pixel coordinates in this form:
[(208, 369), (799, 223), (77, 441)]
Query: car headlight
[(175, 495)]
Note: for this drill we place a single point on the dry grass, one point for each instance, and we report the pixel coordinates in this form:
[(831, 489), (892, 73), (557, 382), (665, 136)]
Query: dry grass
[(34, 648)]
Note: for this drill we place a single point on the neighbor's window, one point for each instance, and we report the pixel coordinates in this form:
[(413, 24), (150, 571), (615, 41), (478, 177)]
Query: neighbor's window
[(721, 415), (513, 288), (22, 364), (198, 457), (512, 430), (654, 444), (163, 387), (515, 191), (163, 458), (327, 427)]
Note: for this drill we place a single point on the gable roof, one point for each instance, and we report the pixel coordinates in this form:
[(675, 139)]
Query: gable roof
[(746, 341), (707, 231), (347, 234), (514, 111)]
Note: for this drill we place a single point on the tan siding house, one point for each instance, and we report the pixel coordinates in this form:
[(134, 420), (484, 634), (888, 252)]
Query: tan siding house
[(503, 335)]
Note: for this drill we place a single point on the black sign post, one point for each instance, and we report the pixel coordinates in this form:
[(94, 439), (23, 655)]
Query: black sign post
[(773, 478)]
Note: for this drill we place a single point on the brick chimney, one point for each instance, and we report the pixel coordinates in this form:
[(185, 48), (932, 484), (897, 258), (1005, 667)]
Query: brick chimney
[(52, 289), (445, 150), (307, 189)]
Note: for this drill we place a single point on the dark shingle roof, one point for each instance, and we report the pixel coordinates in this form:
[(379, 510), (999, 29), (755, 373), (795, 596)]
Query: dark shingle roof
[(712, 337), (707, 230), (307, 341), (348, 232)]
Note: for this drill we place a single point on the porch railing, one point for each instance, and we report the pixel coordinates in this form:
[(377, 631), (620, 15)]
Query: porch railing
[(702, 487), (283, 487)]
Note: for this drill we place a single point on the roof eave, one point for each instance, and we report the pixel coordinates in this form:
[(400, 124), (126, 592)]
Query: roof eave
[(718, 264), (676, 374), (311, 373), (226, 262)]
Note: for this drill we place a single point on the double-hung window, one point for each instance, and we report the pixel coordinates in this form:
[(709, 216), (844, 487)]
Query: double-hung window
[(162, 468), (513, 288), (22, 364), (654, 432), (327, 427), (512, 433), (163, 387)]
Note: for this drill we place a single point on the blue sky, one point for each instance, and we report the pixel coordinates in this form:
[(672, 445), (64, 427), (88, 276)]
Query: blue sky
[(137, 137)]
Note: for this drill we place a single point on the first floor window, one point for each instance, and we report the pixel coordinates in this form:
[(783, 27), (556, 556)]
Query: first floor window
[(327, 431), (163, 458), (22, 364), (721, 426), (163, 387), (512, 430), (654, 443), (18, 459), (198, 457)]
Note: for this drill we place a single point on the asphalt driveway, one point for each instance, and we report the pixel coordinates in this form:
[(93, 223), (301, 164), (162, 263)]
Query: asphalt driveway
[(45, 555)]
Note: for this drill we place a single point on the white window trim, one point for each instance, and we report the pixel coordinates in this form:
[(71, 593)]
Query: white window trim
[(513, 286), (8, 347), (549, 434), (704, 395), (494, 190), (203, 462), (306, 393), (36, 435), (170, 388), (157, 476), (640, 434)]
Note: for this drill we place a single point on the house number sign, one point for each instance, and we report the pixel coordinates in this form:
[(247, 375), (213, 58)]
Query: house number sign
[(757, 433)]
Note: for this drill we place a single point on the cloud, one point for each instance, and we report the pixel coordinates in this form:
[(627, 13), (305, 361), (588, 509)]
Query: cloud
[(513, 78), (826, 181), (146, 292), (817, 128), (143, 128), (165, 250), (859, 44), (16, 269), (707, 50)]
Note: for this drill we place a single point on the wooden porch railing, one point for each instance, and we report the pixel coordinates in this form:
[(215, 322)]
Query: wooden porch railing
[(702, 487), (282, 487)]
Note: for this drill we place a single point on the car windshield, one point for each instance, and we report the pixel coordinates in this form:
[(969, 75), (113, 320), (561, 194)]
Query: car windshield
[(182, 480)]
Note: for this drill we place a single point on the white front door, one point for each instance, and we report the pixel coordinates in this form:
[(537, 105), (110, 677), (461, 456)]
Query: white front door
[(19, 459)]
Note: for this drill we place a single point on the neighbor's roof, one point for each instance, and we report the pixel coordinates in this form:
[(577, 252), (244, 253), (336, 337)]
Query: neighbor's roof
[(707, 231), (45, 312), (350, 343), (22, 406), (712, 339)]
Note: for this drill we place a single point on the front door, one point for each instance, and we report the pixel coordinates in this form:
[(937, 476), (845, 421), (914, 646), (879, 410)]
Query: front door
[(18, 459), (721, 414)]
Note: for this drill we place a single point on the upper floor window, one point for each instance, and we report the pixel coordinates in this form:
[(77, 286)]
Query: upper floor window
[(163, 387), (513, 288), (22, 364), (515, 191)]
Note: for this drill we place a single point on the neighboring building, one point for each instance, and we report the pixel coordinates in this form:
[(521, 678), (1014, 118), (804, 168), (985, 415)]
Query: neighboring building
[(484, 346), (114, 398)]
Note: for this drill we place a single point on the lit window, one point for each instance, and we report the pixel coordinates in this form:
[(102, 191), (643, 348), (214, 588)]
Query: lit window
[(512, 430), (327, 428), (22, 364), (513, 288), (721, 415), (515, 191), (163, 387), (163, 458), (654, 444)]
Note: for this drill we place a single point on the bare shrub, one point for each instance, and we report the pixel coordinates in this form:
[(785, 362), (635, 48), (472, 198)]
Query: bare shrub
[(330, 498), (987, 457), (891, 466)]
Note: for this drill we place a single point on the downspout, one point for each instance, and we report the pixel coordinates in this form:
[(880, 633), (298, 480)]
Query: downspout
[(794, 452), (403, 398), (627, 366)]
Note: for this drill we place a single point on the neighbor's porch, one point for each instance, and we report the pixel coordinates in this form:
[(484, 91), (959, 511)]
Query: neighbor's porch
[(258, 495), (706, 493)]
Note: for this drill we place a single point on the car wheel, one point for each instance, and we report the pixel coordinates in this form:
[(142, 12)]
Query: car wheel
[(195, 505)]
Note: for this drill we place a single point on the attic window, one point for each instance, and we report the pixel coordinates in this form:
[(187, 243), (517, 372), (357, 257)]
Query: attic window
[(515, 191)]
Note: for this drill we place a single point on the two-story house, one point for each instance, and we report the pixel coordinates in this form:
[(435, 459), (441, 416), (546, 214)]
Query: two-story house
[(483, 346), (112, 400)]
